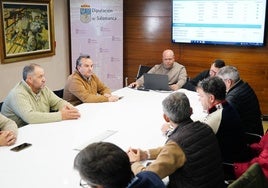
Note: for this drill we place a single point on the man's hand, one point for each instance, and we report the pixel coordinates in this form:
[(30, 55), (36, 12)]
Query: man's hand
[(134, 85), (174, 87), (69, 112), (135, 155), (107, 95), (113, 98), (7, 138)]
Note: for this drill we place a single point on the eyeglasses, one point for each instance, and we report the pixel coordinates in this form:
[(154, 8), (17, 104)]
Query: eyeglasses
[(86, 184), (83, 184)]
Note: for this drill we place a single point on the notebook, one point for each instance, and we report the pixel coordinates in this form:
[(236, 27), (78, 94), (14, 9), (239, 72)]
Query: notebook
[(156, 82)]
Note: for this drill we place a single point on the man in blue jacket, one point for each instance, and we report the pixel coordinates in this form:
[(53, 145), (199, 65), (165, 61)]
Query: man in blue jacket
[(104, 164)]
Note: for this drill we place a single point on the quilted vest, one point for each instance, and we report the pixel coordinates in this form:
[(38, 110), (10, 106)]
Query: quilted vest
[(203, 166)]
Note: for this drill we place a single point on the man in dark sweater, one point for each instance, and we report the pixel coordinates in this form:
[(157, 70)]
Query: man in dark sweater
[(192, 83), (223, 119), (243, 98), (190, 157)]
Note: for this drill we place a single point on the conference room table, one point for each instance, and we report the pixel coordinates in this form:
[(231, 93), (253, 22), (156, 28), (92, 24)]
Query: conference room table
[(133, 121)]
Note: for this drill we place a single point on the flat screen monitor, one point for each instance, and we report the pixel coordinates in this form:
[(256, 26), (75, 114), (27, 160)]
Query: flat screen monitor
[(223, 22)]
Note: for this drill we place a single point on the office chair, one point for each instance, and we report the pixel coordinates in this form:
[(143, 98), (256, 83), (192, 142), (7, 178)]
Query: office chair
[(252, 138), (59, 93), (264, 117), (1, 103), (142, 69), (252, 178)]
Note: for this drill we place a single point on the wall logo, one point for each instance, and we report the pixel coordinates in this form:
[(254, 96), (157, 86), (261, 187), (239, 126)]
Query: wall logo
[(85, 13)]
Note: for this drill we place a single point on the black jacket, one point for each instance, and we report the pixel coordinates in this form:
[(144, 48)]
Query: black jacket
[(230, 134), (244, 99), (192, 83)]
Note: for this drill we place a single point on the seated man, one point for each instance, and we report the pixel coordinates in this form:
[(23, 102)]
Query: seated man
[(176, 72), (8, 131), (30, 101), (190, 157), (223, 119), (243, 98), (214, 68), (83, 86), (104, 164)]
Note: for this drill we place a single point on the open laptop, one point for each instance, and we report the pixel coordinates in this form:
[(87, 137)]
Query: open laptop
[(156, 82)]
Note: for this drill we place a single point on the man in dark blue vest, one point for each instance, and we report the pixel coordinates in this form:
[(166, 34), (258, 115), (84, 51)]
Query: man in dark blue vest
[(191, 156)]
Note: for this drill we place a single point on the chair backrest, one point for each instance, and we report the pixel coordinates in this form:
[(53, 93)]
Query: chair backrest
[(1, 103), (252, 178), (59, 93), (142, 69), (252, 138), (264, 117)]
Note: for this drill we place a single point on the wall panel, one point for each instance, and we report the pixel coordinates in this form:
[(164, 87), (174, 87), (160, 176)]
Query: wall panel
[(147, 32)]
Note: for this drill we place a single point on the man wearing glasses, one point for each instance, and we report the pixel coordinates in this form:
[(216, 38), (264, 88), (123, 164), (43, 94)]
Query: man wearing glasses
[(214, 68), (103, 164)]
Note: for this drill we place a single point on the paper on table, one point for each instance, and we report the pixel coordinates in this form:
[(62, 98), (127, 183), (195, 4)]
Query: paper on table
[(97, 138)]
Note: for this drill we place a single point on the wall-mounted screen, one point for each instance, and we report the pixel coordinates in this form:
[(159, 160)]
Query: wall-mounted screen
[(224, 22)]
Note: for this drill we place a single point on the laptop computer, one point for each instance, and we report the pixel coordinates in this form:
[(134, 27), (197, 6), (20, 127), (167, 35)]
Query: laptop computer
[(156, 82)]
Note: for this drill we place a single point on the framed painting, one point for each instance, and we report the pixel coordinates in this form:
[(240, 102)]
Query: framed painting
[(26, 30)]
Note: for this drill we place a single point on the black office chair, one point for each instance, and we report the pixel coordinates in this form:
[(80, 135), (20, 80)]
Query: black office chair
[(1, 103), (264, 117), (252, 138), (59, 93), (252, 178), (142, 69)]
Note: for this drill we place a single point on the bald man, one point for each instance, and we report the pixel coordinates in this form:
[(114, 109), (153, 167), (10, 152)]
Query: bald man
[(176, 72)]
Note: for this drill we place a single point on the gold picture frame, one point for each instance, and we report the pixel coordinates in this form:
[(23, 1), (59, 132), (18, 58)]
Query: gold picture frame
[(26, 30)]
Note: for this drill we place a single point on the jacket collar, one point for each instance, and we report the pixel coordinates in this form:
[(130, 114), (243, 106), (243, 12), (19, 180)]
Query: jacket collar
[(220, 105)]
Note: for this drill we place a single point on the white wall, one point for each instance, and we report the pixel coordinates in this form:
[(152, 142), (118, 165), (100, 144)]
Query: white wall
[(56, 67)]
